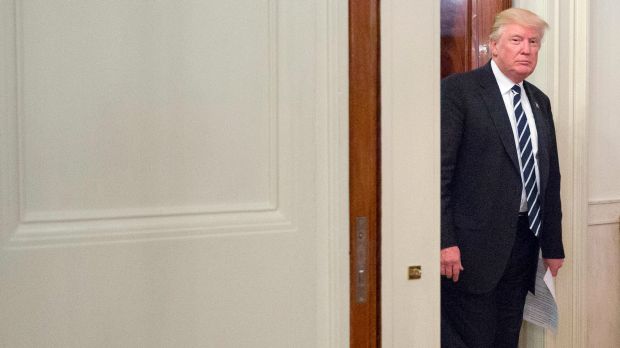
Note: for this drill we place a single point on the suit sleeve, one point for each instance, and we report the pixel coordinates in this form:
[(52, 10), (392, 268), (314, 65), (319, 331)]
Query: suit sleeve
[(452, 125), (551, 237)]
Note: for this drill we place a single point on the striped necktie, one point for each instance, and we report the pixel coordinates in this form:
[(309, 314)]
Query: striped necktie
[(527, 163)]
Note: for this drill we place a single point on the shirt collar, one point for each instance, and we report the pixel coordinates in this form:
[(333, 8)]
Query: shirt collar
[(505, 84)]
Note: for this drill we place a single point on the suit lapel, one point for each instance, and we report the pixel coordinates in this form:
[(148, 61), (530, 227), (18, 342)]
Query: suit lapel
[(542, 131), (497, 111)]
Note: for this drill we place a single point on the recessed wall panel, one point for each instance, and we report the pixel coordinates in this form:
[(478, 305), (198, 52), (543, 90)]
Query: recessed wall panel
[(128, 107)]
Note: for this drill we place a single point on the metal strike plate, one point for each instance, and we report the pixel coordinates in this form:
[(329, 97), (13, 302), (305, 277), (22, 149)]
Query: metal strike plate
[(415, 272), (361, 259)]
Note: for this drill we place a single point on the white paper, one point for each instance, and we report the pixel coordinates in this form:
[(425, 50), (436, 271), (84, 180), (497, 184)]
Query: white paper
[(541, 309), (550, 282)]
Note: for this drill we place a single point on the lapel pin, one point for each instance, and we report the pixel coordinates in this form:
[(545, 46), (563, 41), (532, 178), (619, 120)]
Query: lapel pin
[(537, 107)]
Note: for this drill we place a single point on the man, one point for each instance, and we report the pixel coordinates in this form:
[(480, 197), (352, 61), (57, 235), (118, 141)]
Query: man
[(500, 188)]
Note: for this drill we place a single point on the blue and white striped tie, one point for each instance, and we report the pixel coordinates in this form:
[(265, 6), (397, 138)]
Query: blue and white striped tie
[(527, 163)]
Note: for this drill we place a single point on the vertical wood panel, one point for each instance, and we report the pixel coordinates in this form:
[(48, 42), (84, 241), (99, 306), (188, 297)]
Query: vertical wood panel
[(364, 163), (465, 29), (455, 36), (482, 17)]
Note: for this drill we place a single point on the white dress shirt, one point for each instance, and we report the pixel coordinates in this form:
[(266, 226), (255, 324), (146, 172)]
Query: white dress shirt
[(505, 87)]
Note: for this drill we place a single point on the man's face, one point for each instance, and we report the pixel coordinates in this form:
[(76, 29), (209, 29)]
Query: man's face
[(516, 51)]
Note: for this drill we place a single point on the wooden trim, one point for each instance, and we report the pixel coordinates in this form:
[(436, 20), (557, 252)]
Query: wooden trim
[(364, 164)]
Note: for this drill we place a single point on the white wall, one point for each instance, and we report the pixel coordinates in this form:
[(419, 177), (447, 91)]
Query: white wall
[(604, 145), (604, 176)]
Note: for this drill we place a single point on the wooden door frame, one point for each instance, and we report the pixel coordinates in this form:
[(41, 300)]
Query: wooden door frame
[(364, 172)]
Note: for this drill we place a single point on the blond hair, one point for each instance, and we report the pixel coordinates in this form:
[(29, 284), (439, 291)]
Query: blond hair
[(517, 16)]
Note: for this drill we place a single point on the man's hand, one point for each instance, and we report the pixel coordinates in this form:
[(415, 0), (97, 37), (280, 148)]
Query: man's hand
[(451, 263), (554, 265)]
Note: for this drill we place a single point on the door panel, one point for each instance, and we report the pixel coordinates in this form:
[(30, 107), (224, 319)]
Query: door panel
[(113, 103), (167, 173), (465, 29), (410, 71)]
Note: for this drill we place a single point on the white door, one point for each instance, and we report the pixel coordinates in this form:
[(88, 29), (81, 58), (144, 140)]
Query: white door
[(173, 173)]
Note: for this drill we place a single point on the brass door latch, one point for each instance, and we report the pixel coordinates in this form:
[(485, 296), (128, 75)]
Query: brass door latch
[(415, 272)]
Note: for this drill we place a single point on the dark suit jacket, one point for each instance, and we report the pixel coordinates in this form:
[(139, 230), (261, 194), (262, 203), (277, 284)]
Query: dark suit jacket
[(481, 181)]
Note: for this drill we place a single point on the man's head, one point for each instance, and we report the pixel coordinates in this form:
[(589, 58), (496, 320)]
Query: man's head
[(515, 40)]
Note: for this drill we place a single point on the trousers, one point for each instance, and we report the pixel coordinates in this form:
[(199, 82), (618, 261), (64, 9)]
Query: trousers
[(492, 319)]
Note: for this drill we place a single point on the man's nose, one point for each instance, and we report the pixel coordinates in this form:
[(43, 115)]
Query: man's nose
[(525, 48)]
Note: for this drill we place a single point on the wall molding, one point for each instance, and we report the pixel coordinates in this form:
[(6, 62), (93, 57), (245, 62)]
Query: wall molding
[(333, 121), (604, 212), (117, 214), (8, 127), (570, 64), (22, 227), (74, 233)]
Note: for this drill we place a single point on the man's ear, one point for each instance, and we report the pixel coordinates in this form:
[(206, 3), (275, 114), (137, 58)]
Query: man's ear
[(493, 48)]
